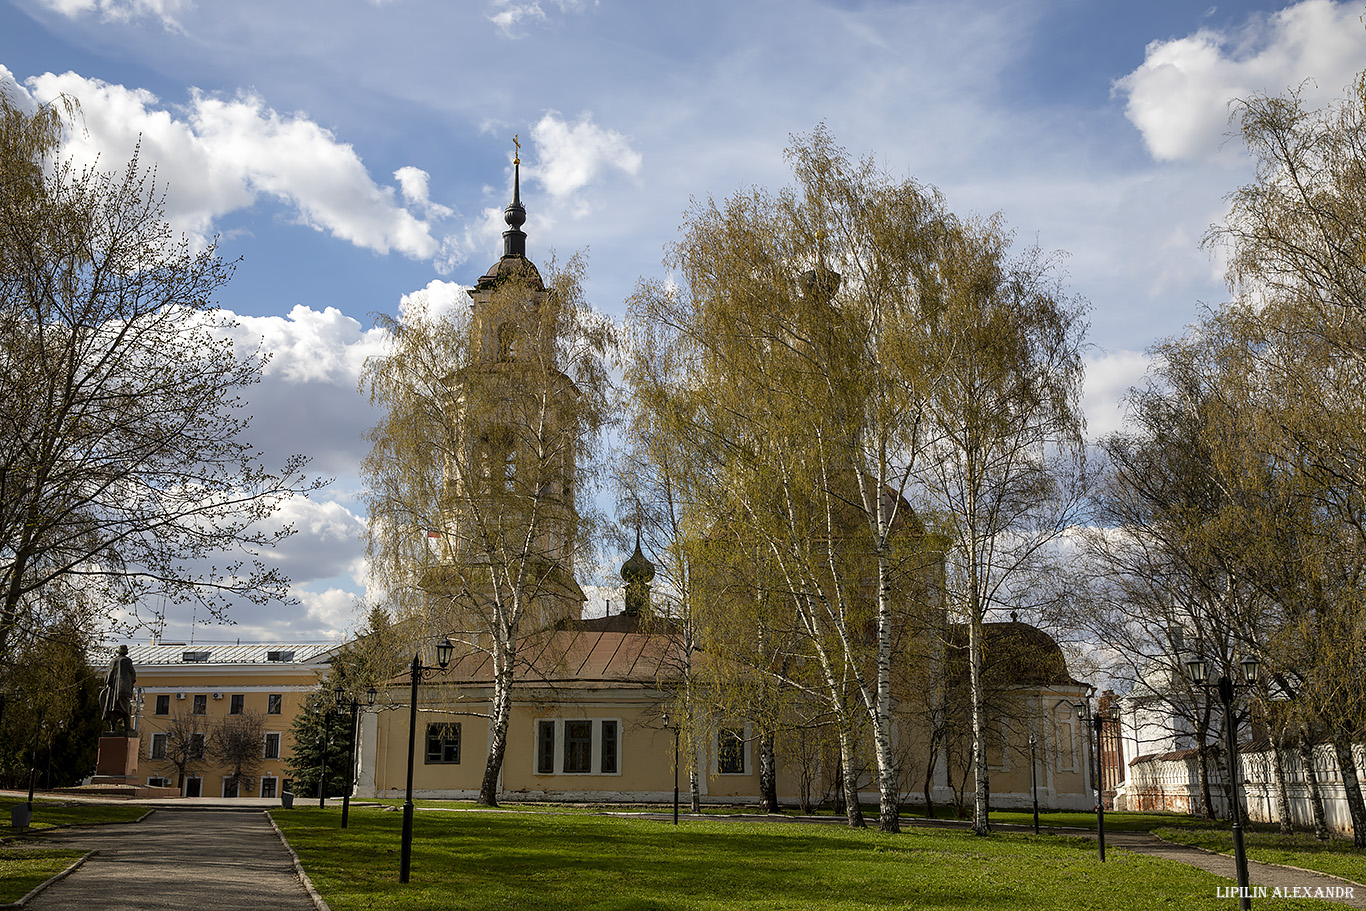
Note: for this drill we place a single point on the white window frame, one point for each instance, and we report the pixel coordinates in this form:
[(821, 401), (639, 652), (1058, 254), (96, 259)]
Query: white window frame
[(198, 778), (595, 767), (275, 791), (162, 739)]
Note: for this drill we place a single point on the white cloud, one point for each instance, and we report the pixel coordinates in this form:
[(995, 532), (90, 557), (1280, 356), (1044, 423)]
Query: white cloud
[(510, 14), (311, 346), (121, 10), (571, 156), (436, 300), (1109, 377), (226, 153), (1179, 97)]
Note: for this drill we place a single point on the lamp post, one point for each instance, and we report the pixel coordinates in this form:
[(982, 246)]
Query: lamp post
[(1197, 669), (674, 728), (1097, 720), (1034, 781), (443, 658), (339, 694)]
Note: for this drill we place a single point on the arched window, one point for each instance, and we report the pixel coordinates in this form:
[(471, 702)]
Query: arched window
[(507, 342)]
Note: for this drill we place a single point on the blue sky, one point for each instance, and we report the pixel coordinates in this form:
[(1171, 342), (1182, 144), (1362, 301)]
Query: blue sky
[(354, 152)]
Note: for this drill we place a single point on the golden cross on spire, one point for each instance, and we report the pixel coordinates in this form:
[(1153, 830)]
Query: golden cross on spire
[(517, 156)]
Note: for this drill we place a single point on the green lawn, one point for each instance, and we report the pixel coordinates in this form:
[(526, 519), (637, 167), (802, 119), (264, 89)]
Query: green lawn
[(49, 814), (21, 870), (474, 860), (23, 867), (1336, 856)]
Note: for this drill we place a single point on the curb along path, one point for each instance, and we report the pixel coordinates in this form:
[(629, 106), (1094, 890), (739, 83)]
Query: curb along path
[(177, 859)]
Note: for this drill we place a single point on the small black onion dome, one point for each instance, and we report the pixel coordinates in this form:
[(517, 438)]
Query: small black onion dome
[(515, 213), (638, 568), (820, 284)]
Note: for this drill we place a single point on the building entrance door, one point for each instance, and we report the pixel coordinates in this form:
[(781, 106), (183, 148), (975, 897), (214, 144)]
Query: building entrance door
[(192, 786)]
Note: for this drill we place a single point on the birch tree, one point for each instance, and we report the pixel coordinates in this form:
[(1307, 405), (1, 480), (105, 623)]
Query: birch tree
[(778, 362), (1003, 430), (481, 472)]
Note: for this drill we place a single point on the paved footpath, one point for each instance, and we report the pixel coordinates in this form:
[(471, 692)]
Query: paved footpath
[(224, 860)]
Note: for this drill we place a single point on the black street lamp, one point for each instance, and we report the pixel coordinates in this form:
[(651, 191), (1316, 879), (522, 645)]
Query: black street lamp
[(339, 697), (674, 728), (1034, 781), (443, 658), (1197, 669), (1097, 721)]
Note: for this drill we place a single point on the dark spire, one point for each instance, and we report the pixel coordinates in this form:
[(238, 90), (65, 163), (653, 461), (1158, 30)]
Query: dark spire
[(514, 239), (637, 572)]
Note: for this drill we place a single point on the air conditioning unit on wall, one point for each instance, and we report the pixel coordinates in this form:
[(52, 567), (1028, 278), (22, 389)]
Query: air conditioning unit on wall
[(218, 695), (180, 695)]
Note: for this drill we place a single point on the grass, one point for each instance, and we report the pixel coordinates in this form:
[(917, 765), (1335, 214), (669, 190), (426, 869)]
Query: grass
[(22, 867), (527, 861), (51, 814), (1336, 855), (21, 870)]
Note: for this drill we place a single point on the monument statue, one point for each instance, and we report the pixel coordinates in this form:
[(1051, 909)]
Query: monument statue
[(116, 696)]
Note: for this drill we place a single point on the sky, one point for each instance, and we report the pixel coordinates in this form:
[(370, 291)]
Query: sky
[(354, 155)]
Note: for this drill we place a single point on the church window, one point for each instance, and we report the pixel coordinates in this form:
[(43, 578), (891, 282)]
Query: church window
[(443, 743), (578, 746), (730, 751)]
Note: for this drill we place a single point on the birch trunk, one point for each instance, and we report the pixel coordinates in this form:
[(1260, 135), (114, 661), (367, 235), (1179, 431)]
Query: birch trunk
[(1351, 784), (1284, 813), (1311, 781), (498, 730), (768, 774), (853, 812)]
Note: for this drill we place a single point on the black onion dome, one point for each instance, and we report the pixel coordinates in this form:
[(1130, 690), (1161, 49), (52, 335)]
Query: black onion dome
[(638, 567)]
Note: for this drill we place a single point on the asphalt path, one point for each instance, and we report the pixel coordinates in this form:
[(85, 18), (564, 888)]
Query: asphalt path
[(211, 859)]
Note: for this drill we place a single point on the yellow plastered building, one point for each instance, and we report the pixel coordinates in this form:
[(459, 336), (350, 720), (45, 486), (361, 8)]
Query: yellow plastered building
[(189, 689)]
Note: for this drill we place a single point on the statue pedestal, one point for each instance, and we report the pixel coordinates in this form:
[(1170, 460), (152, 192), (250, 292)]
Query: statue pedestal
[(118, 759)]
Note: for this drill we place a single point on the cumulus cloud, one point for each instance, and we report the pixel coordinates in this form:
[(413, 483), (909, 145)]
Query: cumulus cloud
[(571, 156), (1179, 97), (437, 300), (1109, 377), (120, 10), (224, 154)]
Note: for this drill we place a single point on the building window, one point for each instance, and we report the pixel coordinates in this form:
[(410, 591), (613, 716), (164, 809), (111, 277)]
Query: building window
[(607, 761), (158, 746), (443, 742), (201, 704), (194, 657), (507, 342), (279, 656), (272, 746), (229, 787), (268, 787), (194, 787), (578, 747), (164, 704), (273, 704), (730, 751), (545, 747), (235, 704)]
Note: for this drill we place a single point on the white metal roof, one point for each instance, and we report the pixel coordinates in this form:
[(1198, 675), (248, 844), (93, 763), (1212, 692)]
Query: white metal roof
[(269, 654)]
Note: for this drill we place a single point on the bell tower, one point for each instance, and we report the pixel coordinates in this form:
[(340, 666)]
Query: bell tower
[(512, 487)]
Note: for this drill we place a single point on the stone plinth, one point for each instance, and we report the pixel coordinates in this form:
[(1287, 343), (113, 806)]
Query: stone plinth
[(118, 759)]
